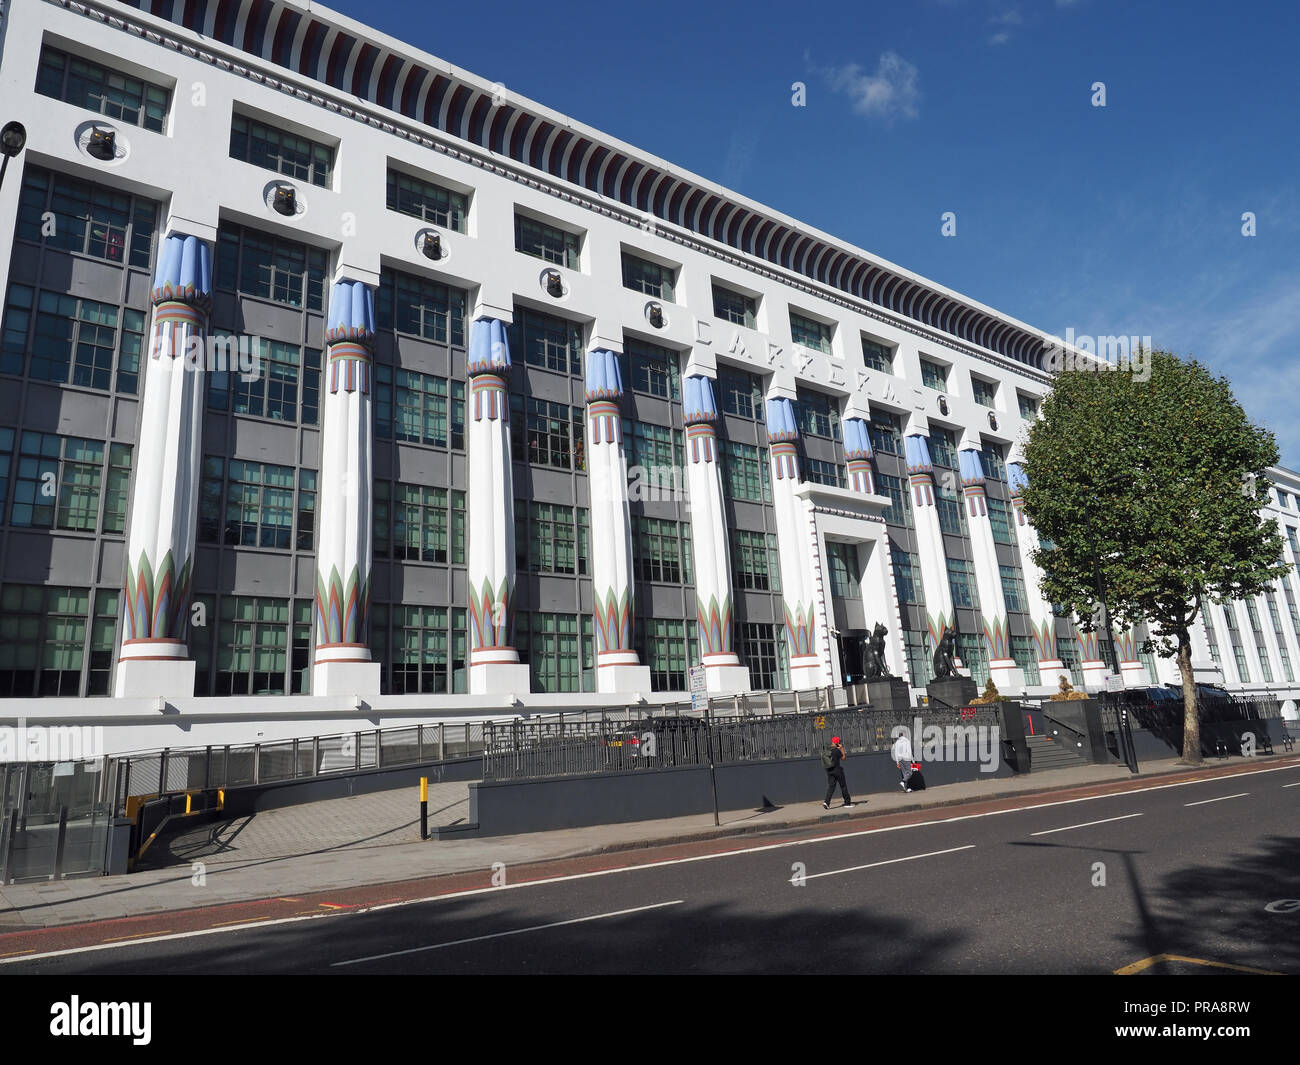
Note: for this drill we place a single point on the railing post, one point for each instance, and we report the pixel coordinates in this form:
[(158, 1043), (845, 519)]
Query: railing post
[(771, 710), (60, 843), (162, 772), (796, 700), (257, 763), (207, 768), (356, 750), (379, 750)]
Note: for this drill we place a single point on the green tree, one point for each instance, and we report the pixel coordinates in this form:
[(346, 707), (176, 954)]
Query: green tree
[(1150, 489)]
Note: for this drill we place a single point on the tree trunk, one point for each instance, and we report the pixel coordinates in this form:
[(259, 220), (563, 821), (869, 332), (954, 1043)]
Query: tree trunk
[(1191, 718)]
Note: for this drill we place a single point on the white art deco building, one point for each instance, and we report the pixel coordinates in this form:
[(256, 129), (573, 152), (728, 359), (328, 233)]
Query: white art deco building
[(329, 370)]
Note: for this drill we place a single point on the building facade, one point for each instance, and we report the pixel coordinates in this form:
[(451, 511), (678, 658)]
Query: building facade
[(330, 370)]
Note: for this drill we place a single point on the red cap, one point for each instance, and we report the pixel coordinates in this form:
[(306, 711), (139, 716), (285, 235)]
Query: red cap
[(835, 739)]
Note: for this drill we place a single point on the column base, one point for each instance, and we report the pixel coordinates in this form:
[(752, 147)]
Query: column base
[(808, 672), (724, 675), (617, 677), (1050, 672), (153, 677), (1094, 675), (1135, 675), (500, 678), (1008, 677), (345, 678)]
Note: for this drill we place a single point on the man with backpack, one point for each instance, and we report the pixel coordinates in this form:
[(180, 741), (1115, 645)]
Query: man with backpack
[(832, 760)]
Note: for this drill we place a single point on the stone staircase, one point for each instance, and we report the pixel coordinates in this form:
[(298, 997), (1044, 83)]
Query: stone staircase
[(1054, 752)]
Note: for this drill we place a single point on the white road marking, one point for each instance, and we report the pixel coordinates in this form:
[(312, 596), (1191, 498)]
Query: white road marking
[(1086, 824), (512, 932), (1219, 799), (1295, 785), (891, 861), (634, 868)]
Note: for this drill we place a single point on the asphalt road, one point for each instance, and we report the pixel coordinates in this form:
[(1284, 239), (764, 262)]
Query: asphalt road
[(1179, 873)]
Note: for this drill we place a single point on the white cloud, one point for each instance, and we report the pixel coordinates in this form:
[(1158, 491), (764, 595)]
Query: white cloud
[(891, 92)]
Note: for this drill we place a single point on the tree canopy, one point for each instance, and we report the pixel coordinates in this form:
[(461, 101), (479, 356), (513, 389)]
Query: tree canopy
[(1150, 485)]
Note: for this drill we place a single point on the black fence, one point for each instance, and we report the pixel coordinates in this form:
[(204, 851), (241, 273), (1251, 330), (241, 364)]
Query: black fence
[(1224, 718), (530, 750)]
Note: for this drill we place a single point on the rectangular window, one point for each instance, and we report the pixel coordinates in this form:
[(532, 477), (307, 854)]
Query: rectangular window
[(907, 576), (73, 341), (920, 664), (103, 640), (943, 447), (545, 433), (59, 480), (546, 242), (985, 393), (827, 473), (555, 539), (755, 561), (961, 581), (886, 433), (846, 576), (661, 550), (427, 201), (934, 376), (259, 503), (734, 307), (877, 357), (810, 333), (559, 651), (129, 351), (899, 511), (819, 414), (1000, 520), (85, 83), (116, 498), (1028, 406), (764, 652), (273, 391), (423, 308), (1013, 589), (654, 370), (745, 474), (995, 467), (654, 448), (740, 393), (252, 646), (418, 408), (641, 275), (419, 523), (280, 151), (974, 656), (71, 215), (1022, 650), (668, 651), (948, 506), (270, 268), (1067, 650), (6, 467), (546, 341)]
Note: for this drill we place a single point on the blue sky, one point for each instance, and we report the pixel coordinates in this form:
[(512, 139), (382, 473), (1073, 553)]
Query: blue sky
[(1124, 219)]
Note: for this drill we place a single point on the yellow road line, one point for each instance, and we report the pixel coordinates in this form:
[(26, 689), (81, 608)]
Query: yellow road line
[(15, 953), (138, 935), (1146, 963)]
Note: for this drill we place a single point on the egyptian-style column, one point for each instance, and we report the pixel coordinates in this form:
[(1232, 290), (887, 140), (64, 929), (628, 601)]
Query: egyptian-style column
[(1003, 671), (344, 533), (618, 668), (1094, 666), (709, 540), (1042, 621), (494, 666), (154, 658), (804, 600), (857, 455), (929, 541)]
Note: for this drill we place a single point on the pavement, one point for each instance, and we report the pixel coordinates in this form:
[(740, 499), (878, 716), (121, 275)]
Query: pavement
[(362, 841)]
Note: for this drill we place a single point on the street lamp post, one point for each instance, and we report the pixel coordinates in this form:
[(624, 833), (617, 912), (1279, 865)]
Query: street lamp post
[(12, 139)]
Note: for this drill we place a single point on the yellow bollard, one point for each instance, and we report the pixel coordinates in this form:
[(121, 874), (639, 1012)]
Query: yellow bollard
[(424, 807)]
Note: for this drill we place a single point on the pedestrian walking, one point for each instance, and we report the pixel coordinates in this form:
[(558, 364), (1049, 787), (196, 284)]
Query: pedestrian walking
[(833, 761), (902, 755)]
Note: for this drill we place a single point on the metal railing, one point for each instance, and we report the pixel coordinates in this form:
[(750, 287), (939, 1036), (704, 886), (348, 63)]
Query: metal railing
[(531, 750), (55, 819)]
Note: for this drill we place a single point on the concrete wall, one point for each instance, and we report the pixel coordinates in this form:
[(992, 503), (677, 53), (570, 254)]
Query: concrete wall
[(506, 807)]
